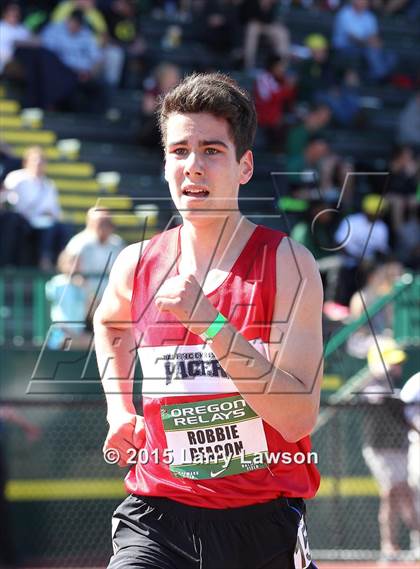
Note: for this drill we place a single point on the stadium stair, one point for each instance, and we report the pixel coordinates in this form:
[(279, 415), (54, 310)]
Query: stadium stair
[(78, 185)]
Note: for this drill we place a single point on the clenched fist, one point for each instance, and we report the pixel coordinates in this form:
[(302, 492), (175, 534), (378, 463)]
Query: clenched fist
[(183, 296), (126, 432)]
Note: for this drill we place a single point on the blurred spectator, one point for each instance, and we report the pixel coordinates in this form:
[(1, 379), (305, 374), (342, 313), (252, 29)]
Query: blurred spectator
[(15, 236), (96, 248), (316, 72), (67, 295), (218, 25), (275, 94), (314, 121), (8, 160), (360, 236), (404, 175), (356, 34), (380, 280), (410, 8), (112, 53), (410, 394), (11, 32), (92, 16), (317, 167), (385, 446), (65, 71), (77, 49), (315, 230), (409, 123), (319, 82), (165, 77), (408, 238), (122, 20), (260, 19), (34, 196), (171, 9), (343, 99)]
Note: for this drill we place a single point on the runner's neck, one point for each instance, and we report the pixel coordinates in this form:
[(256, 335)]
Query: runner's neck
[(213, 247)]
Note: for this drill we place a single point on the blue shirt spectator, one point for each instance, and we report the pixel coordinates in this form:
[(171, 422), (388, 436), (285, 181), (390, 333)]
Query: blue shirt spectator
[(354, 25), (74, 44)]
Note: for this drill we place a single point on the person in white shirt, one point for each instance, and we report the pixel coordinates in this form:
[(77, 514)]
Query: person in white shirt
[(410, 394), (34, 196), (360, 237), (96, 248), (11, 32)]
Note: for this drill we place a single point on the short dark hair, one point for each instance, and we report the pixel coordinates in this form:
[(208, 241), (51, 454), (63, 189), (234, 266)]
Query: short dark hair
[(77, 15), (219, 95)]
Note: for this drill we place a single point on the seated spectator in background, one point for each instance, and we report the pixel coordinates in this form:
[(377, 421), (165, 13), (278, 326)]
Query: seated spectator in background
[(77, 49), (409, 123), (121, 18), (34, 196), (96, 248), (408, 238), (410, 8), (379, 281), (218, 25), (318, 82), (67, 295), (343, 99), (356, 33), (275, 93), (316, 72), (93, 17), (113, 55), (15, 236), (8, 160), (260, 19), (404, 176), (65, 70), (314, 121), (318, 167), (315, 231), (12, 32), (361, 237), (165, 77)]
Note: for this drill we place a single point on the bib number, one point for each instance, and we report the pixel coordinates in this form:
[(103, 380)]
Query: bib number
[(302, 555), (214, 438)]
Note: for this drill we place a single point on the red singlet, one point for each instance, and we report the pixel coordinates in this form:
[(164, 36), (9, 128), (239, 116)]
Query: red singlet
[(204, 445)]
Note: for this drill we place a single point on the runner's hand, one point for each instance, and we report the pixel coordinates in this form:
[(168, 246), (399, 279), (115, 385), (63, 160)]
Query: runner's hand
[(183, 296), (126, 432)]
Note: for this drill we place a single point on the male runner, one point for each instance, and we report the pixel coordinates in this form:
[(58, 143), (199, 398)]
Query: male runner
[(226, 318)]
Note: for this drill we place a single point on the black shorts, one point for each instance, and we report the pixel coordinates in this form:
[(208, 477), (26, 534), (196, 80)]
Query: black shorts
[(157, 533)]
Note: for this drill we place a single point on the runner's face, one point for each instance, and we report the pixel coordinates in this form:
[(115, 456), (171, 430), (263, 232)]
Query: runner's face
[(201, 166)]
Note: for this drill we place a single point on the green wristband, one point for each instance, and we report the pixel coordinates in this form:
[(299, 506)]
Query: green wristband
[(214, 328)]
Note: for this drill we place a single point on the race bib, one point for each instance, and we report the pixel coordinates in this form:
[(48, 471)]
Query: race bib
[(302, 555), (214, 438)]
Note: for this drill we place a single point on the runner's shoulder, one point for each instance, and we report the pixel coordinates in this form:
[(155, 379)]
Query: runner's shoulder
[(124, 267), (291, 255)]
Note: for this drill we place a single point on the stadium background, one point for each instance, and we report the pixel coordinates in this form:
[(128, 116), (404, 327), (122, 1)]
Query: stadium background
[(60, 490)]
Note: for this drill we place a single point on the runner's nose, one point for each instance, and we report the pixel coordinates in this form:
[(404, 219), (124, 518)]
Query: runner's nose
[(193, 165)]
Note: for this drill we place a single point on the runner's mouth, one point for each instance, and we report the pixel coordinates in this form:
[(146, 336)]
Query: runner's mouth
[(195, 192)]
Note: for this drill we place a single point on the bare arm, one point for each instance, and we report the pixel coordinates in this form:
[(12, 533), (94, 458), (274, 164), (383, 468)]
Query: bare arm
[(283, 388), (116, 353)]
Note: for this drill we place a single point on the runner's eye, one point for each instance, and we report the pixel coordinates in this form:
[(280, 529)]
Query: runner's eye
[(212, 151), (180, 151)]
